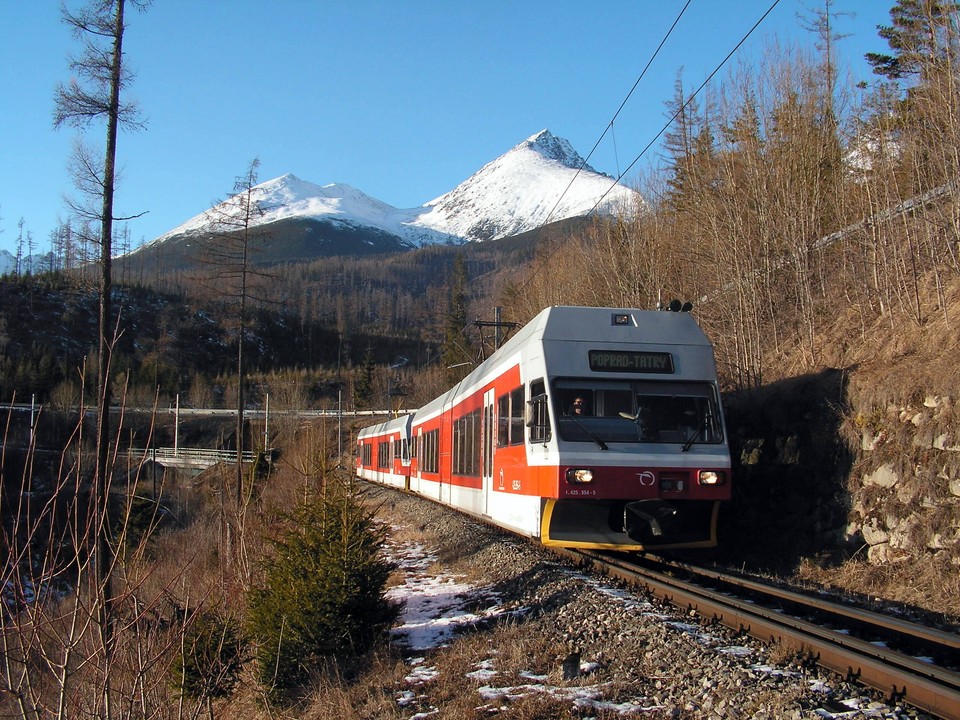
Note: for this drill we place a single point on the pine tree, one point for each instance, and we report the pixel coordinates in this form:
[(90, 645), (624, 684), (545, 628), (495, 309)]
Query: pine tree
[(322, 598), (922, 34), (690, 144), (363, 383), (210, 659)]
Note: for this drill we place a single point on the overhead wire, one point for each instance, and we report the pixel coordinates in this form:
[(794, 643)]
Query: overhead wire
[(687, 102), (656, 137), (643, 72)]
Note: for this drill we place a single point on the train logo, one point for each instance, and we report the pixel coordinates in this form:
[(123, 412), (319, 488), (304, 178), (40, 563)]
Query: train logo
[(646, 478)]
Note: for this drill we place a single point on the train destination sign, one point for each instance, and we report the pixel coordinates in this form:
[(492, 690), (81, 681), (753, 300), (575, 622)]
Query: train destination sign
[(630, 361)]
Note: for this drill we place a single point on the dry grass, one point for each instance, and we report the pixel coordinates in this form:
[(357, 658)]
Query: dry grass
[(930, 584), (370, 695)]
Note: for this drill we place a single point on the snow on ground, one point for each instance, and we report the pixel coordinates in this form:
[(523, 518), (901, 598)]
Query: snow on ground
[(434, 605)]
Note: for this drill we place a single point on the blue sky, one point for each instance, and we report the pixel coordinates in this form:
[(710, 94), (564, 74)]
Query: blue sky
[(402, 99)]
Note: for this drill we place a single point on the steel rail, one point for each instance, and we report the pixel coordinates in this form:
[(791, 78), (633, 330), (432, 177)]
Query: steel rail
[(879, 622), (930, 688)]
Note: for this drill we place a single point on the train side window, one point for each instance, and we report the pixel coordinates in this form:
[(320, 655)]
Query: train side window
[(430, 456), (538, 413), (466, 444), (503, 421), (510, 412), (516, 416)]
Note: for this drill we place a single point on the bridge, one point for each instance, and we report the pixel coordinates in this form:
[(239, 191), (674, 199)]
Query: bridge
[(190, 458)]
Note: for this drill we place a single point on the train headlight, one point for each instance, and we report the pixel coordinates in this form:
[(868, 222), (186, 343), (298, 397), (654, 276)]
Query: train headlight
[(712, 477), (579, 476)]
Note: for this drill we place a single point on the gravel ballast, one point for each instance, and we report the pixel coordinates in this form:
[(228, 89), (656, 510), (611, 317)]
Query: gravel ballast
[(518, 629)]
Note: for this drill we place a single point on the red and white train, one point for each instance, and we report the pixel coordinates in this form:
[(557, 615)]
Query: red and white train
[(590, 428)]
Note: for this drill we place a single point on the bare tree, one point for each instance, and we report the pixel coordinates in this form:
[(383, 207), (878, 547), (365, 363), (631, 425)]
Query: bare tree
[(228, 251), (93, 95), (821, 24), (19, 265)]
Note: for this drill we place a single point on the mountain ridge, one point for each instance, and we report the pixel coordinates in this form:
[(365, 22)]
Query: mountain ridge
[(540, 180)]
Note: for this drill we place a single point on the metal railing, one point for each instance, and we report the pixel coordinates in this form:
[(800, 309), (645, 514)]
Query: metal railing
[(192, 457)]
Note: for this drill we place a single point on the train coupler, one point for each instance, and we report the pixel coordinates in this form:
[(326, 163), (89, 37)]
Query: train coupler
[(650, 519), (659, 524)]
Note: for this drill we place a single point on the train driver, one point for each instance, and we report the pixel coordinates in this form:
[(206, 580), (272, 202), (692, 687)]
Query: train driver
[(578, 406)]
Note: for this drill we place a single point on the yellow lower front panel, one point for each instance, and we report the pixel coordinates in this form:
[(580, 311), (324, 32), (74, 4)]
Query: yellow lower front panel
[(618, 525)]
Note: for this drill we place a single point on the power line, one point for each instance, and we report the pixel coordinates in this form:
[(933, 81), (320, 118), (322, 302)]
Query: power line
[(655, 137), (643, 72), (688, 101)]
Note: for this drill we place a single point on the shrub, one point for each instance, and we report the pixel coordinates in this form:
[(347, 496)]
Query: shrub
[(210, 659), (322, 597)]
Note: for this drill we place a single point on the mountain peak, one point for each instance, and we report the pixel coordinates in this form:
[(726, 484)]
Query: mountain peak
[(555, 148), (542, 179)]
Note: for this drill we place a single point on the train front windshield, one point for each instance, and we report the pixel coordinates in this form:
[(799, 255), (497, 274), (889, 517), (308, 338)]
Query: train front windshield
[(637, 412)]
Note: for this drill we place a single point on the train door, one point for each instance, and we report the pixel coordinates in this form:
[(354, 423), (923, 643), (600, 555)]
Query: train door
[(487, 440), (417, 460), (445, 449)]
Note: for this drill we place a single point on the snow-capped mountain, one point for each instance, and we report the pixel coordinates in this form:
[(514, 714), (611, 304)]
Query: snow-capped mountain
[(289, 198), (540, 180), (29, 264)]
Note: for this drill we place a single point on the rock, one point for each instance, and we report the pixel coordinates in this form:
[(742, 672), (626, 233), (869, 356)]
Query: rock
[(944, 441), (903, 537), (878, 554), (906, 492), (873, 534), (788, 452), (571, 666), (937, 541), (884, 476), (869, 440)]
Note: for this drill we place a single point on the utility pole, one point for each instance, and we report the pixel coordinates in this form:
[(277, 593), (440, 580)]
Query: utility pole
[(498, 326)]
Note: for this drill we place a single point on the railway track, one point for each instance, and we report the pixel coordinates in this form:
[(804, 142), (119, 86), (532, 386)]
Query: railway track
[(911, 663)]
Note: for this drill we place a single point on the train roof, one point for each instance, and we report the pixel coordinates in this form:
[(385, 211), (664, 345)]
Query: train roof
[(398, 424), (604, 324), (587, 324)]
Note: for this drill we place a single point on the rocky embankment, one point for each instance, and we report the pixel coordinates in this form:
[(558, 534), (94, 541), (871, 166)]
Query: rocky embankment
[(906, 487), (817, 472)]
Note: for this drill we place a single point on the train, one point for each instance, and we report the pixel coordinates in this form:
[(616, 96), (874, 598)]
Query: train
[(591, 428)]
